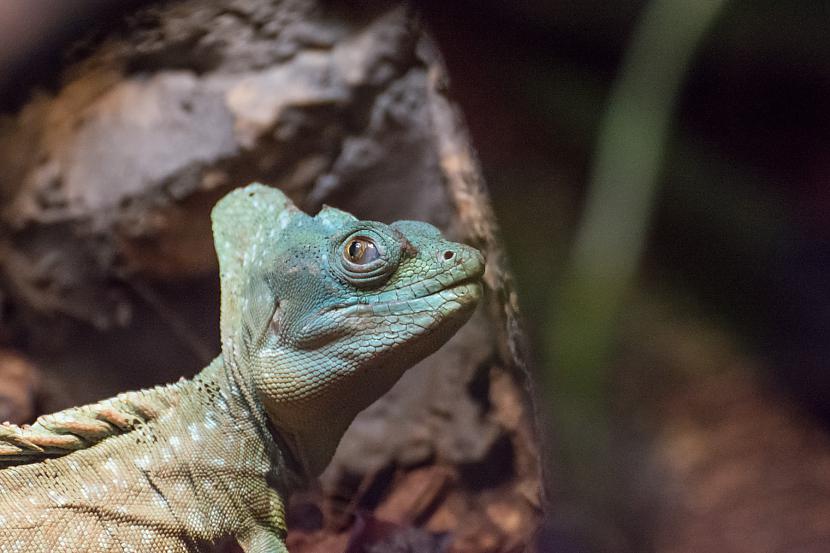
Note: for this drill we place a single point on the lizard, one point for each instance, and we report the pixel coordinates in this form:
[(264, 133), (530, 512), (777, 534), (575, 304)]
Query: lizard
[(319, 316)]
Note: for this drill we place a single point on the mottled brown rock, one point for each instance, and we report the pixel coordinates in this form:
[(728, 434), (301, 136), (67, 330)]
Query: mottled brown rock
[(107, 182), (20, 385)]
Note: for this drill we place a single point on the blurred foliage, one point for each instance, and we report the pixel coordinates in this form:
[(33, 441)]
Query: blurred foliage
[(728, 211), (583, 318), (602, 266)]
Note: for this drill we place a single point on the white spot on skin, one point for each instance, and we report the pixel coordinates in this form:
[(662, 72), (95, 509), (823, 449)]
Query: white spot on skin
[(166, 454), (143, 462), (195, 435), (111, 465), (283, 219), (196, 520), (59, 499), (147, 536), (96, 491), (215, 513), (179, 488)]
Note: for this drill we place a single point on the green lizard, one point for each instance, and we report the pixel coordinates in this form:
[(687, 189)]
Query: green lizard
[(319, 317)]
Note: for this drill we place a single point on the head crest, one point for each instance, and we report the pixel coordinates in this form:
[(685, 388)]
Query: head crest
[(332, 219), (247, 223)]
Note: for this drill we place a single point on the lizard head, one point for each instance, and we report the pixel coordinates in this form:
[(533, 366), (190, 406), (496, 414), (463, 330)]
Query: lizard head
[(324, 313)]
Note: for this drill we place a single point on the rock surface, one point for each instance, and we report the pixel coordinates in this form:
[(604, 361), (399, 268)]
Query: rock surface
[(107, 270)]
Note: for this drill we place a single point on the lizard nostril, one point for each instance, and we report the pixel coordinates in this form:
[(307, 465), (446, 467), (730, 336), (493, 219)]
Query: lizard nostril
[(449, 254)]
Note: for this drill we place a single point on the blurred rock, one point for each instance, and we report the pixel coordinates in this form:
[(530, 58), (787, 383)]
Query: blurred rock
[(108, 181), (20, 388), (719, 458)]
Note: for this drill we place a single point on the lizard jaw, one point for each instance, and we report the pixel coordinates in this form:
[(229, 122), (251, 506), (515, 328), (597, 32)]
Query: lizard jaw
[(416, 314)]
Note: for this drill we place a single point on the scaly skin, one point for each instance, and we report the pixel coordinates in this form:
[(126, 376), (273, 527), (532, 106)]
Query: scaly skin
[(319, 317)]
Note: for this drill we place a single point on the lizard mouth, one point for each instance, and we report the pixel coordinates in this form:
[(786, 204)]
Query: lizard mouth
[(455, 295)]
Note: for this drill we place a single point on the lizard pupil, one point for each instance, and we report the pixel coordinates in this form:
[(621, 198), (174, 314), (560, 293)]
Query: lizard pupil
[(361, 251), (356, 248)]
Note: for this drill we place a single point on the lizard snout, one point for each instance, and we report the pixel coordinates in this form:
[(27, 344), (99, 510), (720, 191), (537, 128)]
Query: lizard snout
[(464, 257)]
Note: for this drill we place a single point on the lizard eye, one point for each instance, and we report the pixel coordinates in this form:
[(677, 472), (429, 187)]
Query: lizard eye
[(361, 250), (367, 258)]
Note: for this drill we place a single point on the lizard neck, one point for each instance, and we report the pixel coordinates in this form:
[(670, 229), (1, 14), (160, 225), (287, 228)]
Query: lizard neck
[(312, 408), (314, 446), (242, 403)]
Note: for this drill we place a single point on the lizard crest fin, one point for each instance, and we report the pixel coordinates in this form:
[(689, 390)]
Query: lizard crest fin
[(334, 219), (61, 433), (247, 223)]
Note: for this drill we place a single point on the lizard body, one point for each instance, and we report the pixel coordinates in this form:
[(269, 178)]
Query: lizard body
[(319, 317)]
